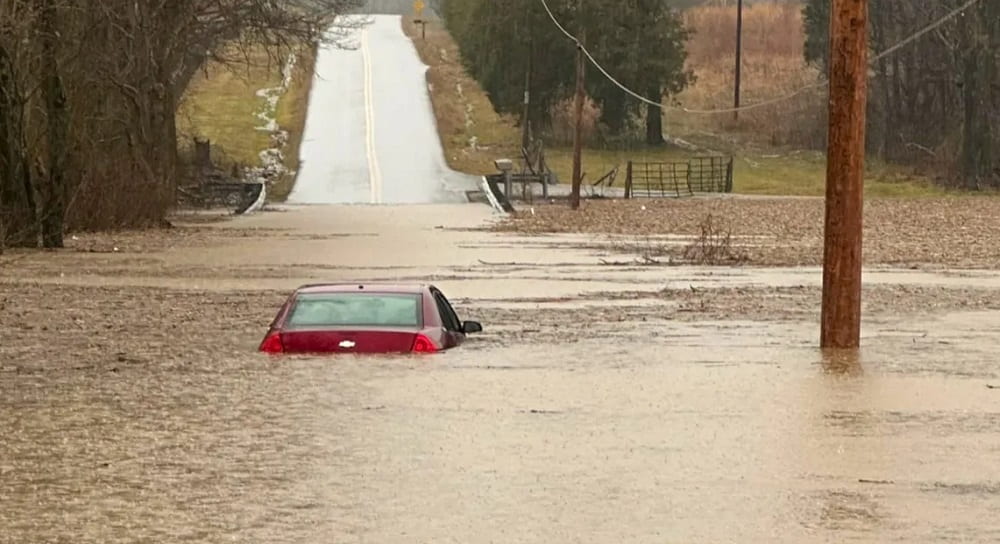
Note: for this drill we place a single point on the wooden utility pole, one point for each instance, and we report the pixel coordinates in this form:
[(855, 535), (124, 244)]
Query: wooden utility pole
[(841, 313), (526, 115), (739, 58), (574, 197)]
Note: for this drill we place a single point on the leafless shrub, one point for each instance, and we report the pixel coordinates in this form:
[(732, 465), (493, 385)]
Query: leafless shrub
[(563, 123), (713, 245)]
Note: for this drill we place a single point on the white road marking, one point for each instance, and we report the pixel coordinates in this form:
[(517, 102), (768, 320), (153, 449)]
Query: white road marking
[(374, 173), (348, 133)]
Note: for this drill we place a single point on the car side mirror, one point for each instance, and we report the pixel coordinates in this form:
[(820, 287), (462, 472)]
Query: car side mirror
[(470, 327)]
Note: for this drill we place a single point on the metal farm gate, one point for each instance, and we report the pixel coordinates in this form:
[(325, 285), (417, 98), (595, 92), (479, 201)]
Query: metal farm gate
[(677, 179)]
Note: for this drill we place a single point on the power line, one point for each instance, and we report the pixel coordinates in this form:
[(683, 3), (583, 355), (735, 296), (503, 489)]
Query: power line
[(920, 33), (821, 83)]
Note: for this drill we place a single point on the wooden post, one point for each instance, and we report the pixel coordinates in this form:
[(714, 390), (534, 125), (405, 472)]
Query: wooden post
[(525, 115), (628, 179), (574, 197), (739, 57), (418, 17), (729, 176), (841, 312), (202, 156)]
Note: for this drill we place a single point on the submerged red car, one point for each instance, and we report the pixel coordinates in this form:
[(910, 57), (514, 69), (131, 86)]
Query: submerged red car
[(366, 318)]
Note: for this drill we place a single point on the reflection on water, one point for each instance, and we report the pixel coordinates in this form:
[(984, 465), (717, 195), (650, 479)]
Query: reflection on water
[(842, 362), (585, 442)]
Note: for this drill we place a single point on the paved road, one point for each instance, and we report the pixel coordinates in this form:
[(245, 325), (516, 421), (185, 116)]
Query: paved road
[(370, 135)]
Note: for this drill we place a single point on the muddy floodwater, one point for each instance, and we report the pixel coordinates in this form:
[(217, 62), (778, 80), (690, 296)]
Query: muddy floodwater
[(603, 403)]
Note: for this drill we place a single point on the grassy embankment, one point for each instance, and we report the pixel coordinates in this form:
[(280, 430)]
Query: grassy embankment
[(472, 133), (768, 142), (221, 104)]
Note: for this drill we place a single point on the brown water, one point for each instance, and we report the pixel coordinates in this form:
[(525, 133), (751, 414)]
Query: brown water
[(580, 443), (707, 431)]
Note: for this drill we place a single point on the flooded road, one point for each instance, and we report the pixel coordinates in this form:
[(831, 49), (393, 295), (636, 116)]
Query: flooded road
[(585, 443), (134, 409)]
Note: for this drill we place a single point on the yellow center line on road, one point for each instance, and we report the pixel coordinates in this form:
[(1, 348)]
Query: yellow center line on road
[(374, 173)]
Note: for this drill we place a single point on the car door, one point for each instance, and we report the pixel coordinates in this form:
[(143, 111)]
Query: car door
[(452, 325)]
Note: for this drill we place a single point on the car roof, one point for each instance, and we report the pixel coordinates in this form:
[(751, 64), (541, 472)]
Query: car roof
[(375, 287)]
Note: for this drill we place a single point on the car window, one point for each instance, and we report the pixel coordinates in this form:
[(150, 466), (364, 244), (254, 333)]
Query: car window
[(448, 315), (356, 309)]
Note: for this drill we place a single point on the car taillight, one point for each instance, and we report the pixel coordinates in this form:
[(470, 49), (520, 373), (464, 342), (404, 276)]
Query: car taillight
[(422, 344), (272, 344)]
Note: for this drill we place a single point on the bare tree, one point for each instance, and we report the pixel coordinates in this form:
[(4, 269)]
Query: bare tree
[(16, 204), (938, 98), (89, 93)]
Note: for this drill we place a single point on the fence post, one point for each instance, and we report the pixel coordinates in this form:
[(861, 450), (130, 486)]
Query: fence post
[(628, 179), (690, 168), (729, 176), (202, 157)]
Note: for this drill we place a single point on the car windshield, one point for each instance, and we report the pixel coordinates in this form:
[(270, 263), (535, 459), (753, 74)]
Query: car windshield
[(355, 309)]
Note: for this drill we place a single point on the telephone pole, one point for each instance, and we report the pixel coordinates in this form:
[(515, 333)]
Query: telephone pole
[(841, 312), (574, 197), (739, 57), (526, 114)]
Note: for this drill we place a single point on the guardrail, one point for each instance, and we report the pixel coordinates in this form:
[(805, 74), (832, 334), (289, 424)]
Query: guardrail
[(238, 196)]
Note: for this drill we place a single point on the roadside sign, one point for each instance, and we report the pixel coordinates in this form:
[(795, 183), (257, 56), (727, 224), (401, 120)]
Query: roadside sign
[(418, 7)]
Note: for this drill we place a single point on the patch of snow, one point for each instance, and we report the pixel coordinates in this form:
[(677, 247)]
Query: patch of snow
[(469, 121), (272, 95), (272, 160)]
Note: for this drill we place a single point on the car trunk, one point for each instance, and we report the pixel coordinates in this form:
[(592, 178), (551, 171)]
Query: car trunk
[(348, 341)]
